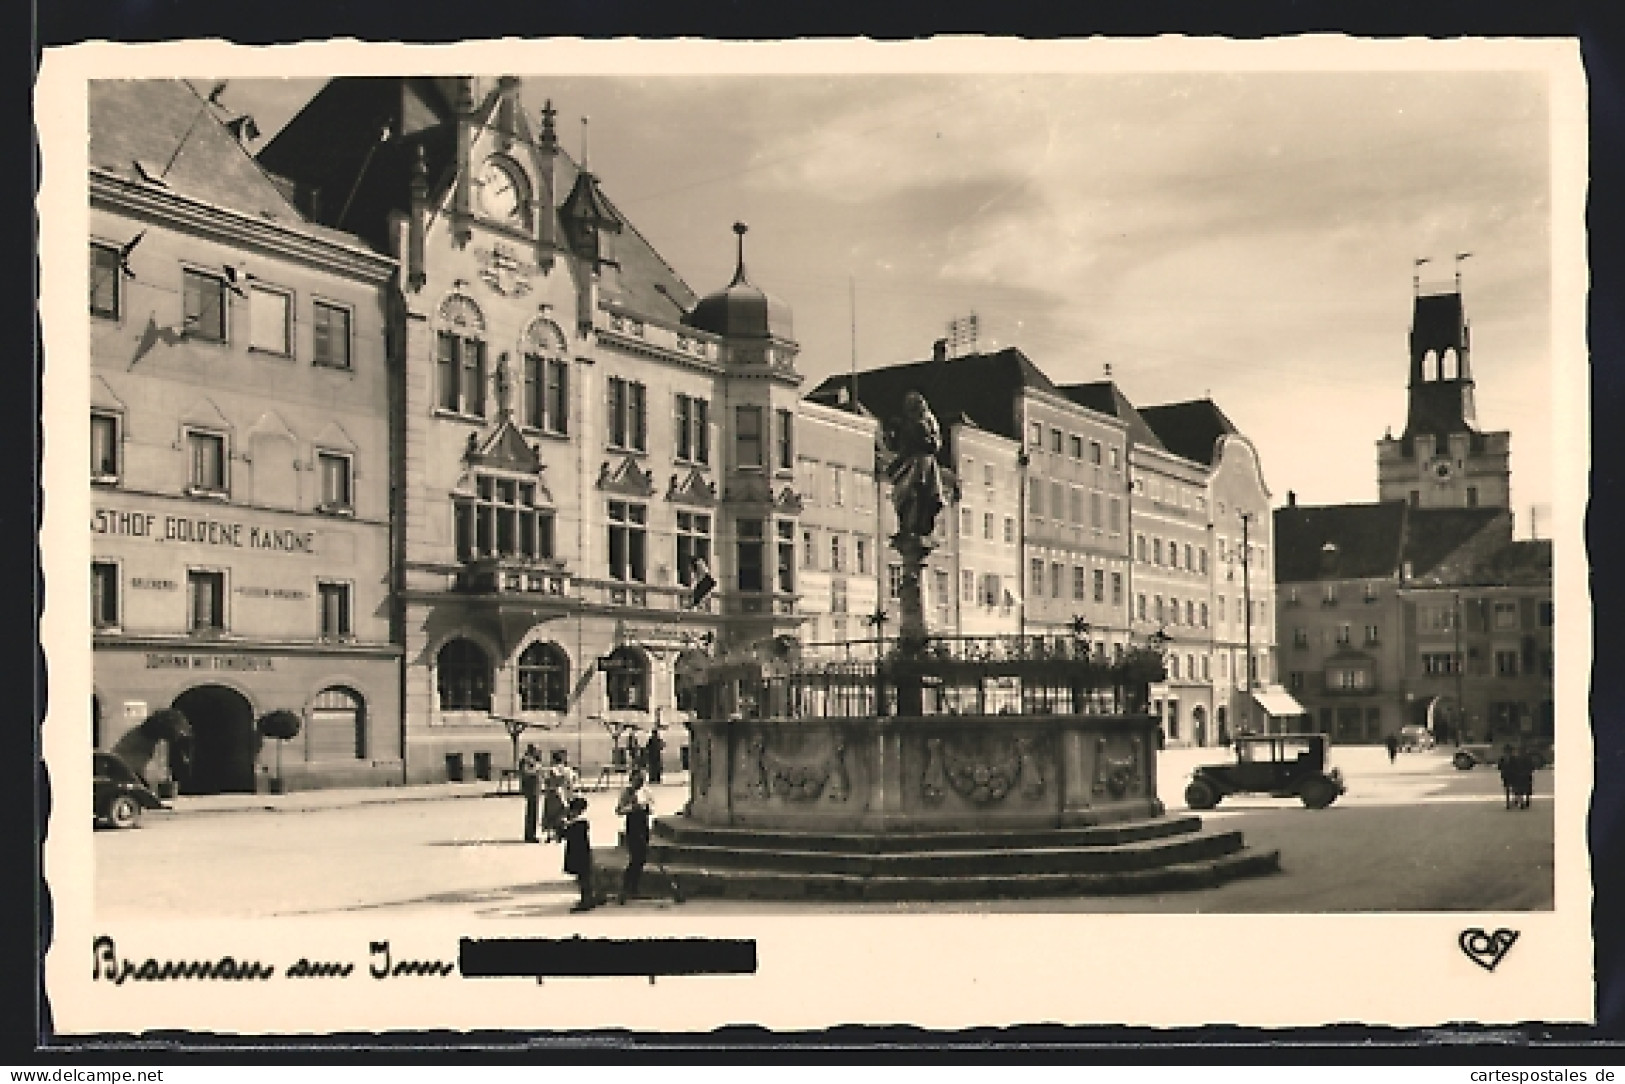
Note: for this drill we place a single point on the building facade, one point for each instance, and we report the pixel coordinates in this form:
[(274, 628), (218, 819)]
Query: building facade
[(587, 445), (841, 550), (240, 461), (1421, 609)]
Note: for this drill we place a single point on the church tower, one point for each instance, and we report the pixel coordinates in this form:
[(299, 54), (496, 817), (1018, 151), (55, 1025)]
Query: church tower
[(1443, 459)]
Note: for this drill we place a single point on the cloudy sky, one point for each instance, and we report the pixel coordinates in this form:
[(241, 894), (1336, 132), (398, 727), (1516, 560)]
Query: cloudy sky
[(1249, 236)]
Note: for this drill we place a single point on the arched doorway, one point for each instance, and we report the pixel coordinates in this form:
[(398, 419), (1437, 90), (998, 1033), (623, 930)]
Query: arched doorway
[(224, 744)]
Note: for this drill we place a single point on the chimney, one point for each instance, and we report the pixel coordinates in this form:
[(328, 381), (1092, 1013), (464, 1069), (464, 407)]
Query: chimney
[(1291, 499), (939, 350)]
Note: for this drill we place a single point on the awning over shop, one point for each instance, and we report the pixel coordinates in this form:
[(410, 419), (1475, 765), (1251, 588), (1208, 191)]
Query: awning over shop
[(1277, 701)]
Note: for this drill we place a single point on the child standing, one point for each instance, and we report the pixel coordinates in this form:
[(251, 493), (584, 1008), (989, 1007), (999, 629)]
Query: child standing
[(578, 852)]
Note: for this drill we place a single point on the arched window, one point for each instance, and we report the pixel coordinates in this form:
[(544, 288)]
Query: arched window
[(1430, 366), (460, 364), (338, 726), (1448, 364), (463, 677), (544, 678), (544, 401), (628, 680)]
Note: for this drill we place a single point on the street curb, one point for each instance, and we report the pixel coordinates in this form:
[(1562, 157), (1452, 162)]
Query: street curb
[(320, 807)]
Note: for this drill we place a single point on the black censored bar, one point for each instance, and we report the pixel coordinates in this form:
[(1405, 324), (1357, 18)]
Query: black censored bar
[(544, 957)]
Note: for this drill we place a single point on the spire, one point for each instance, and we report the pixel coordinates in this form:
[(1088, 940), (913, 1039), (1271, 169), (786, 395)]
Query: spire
[(740, 229), (585, 168)]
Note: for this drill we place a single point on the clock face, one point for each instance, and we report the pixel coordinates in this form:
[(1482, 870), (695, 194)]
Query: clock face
[(500, 192), (1442, 469)]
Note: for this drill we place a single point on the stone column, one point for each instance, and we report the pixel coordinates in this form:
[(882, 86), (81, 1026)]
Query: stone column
[(911, 632)]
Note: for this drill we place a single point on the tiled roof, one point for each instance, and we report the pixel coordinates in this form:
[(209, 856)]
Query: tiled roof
[(981, 387), (163, 123), (1371, 540), (1105, 397), (334, 145), (1367, 537), (1525, 562), (1190, 429)]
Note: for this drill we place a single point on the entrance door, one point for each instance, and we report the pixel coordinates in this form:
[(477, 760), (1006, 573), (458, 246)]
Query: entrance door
[(1199, 724), (224, 743)]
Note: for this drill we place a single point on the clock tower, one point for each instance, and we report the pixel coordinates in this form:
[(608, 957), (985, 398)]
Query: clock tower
[(1443, 459)]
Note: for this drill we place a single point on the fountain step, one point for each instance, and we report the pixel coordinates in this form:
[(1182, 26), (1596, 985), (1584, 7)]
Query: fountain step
[(681, 831), (706, 881), (939, 860)]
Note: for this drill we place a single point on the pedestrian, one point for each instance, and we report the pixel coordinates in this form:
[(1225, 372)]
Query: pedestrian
[(578, 852), (530, 785), (635, 804), (634, 753), (558, 788), (652, 751), (1509, 768), (1392, 743), (1523, 782)]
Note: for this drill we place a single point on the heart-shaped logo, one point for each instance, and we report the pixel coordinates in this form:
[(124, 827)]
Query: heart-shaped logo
[(1486, 949)]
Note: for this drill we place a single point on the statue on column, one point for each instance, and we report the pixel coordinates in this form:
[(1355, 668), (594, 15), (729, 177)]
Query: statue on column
[(916, 478)]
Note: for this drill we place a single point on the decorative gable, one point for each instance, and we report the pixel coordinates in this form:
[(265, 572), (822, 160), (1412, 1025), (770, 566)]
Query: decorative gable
[(503, 448), (694, 489), (627, 478), (788, 501)]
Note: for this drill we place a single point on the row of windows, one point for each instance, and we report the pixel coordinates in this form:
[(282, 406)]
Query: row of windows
[(1169, 611), (835, 485), (1074, 581), (1329, 594), (1195, 557), (1069, 444), (206, 595), (969, 526), (206, 313), (1344, 635), (1170, 492), (1066, 504), (208, 462), (838, 549), (464, 678)]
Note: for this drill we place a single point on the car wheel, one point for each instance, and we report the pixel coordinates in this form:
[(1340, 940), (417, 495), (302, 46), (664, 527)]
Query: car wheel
[(1317, 794), (1201, 795), (1463, 761), (123, 812)]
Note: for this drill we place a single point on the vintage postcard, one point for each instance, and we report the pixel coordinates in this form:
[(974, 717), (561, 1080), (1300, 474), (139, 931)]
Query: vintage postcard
[(964, 532)]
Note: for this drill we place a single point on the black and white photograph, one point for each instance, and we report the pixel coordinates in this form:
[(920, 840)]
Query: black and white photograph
[(1009, 531)]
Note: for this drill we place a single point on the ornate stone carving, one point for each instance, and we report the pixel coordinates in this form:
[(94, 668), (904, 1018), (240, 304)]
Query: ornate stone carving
[(804, 781), (755, 772), (1117, 775), (980, 780)]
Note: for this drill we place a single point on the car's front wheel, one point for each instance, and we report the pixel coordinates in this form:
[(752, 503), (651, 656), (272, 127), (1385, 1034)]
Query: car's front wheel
[(123, 812), (1463, 761), (1317, 794), (1201, 795)]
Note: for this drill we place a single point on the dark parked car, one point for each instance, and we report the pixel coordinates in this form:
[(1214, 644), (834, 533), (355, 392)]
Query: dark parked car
[(1281, 765), (1469, 756), (120, 793)]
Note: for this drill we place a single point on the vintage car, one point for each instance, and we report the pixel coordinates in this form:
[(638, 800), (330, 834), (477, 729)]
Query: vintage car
[(120, 793), (1415, 739), (1471, 754), (1281, 765)]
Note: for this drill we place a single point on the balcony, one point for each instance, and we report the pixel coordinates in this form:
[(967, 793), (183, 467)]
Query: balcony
[(512, 576)]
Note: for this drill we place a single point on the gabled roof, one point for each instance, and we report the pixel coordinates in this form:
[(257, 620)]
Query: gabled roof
[(1368, 540), (351, 175), (981, 387), (1106, 397), (1371, 541), (1190, 429), (147, 129)]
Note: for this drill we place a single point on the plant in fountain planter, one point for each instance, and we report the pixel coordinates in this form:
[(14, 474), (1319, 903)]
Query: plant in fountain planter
[(282, 726), (1141, 668)]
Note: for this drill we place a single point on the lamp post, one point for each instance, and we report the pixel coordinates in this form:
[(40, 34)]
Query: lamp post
[(1461, 665)]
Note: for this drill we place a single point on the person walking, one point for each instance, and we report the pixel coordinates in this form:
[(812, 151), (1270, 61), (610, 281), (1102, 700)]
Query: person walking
[(652, 751), (1508, 766), (1392, 743), (578, 852), (530, 785), (558, 789), (636, 804)]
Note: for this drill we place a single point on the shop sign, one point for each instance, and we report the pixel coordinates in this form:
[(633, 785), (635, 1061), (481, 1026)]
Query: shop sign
[(141, 583), (273, 592), (201, 531), (178, 660)]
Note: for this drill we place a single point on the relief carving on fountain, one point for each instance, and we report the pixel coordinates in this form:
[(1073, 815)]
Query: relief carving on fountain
[(797, 779), (977, 779), (1117, 775)]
